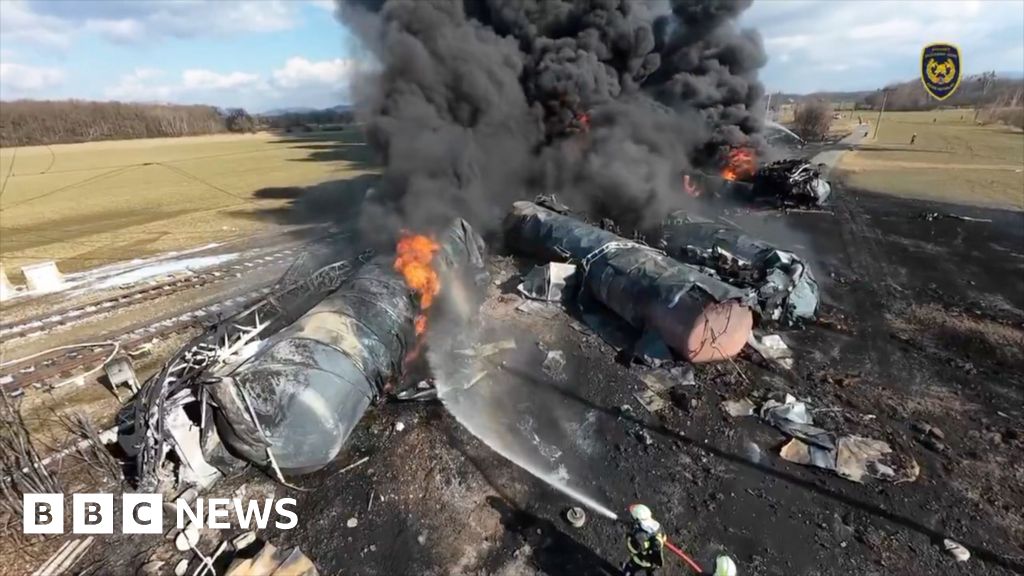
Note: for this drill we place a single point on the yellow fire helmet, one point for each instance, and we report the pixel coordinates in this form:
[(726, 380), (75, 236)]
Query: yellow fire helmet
[(724, 566), (639, 512)]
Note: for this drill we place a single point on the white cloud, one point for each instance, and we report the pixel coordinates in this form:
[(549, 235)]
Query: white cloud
[(140, 85), (17, 80), (207, 80), (298, 81), (120, 30), (142, 21), (862, 44), (789, 43), (894, 29), (19, 24), (298, 71), (192, 86)]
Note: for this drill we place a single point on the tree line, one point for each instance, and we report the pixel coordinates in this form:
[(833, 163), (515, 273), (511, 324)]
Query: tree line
[(308, 121), (977, 91), (38, 122)]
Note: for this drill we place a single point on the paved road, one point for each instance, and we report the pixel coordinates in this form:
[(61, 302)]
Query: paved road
[(831, 157)]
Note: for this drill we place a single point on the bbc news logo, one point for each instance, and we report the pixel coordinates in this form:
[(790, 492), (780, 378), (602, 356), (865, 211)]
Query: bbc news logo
[(144, 513)]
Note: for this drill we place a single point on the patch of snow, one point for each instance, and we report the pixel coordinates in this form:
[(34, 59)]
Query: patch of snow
[(161, 269)]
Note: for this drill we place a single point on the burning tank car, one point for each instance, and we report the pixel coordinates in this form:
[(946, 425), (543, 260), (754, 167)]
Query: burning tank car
[(282, 384), (792, 182)]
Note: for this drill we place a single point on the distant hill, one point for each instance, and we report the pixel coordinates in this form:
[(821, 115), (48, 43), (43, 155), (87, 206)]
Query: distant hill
[(306, 119), (292, 110), (850, 96), (305, 110), (988, 89)]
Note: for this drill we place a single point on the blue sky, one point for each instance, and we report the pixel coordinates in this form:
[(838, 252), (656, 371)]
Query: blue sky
[(262, 54)]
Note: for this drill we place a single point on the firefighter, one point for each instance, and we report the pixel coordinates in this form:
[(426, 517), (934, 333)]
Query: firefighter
[(645, 541)]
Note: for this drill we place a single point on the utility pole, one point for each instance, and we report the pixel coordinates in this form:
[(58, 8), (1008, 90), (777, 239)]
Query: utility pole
[(885, 96), (986, 78)]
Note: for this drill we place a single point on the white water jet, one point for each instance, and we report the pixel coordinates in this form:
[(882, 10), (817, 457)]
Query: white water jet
[(514, 420)]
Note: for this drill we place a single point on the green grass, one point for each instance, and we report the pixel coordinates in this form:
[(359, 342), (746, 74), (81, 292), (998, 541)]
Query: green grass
[(89, 204), (953, 159)]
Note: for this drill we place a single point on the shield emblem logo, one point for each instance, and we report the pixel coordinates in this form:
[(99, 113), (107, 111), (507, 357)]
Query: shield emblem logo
[(940, 70)]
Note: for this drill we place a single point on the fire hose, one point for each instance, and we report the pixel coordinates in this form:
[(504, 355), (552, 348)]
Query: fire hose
[(686, 558)]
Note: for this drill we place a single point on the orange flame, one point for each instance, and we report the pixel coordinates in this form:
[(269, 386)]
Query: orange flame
[(414, 254), (742, 164)]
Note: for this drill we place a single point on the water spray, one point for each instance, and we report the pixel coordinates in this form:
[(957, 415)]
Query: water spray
[(468, 415)]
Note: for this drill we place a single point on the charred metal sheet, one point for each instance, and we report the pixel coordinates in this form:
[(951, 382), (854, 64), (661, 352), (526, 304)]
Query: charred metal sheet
[(786, 288), (698, 316)]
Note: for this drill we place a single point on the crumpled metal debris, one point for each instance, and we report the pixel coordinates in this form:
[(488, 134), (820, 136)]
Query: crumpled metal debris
[(774, 349), (792, 182), (552, 282), (737, 408), (785, 288), (551, 202), (851, 457)]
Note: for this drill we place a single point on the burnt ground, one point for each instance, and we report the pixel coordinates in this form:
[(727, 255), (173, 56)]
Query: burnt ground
[(922, 321)]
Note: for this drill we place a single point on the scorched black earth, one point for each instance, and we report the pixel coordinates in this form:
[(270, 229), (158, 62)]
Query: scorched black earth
[(919, 344)]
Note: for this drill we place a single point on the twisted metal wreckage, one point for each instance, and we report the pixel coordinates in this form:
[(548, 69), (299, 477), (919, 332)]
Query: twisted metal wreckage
[(699, 292), (785, 288), (790, 183), (699, 317), (282, 384)]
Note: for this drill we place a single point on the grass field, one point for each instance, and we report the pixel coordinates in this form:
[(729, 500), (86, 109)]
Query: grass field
[(952, 159), (85, 205)]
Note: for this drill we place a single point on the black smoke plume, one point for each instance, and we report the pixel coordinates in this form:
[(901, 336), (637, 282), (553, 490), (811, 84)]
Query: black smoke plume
[(475, 103)]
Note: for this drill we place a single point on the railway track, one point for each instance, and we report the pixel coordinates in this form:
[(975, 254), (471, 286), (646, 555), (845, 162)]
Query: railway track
[(64, 364), (88, 310)]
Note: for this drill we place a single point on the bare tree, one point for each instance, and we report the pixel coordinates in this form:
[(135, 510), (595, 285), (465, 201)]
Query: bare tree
[(238, 120), (36, 122), (812, 119)]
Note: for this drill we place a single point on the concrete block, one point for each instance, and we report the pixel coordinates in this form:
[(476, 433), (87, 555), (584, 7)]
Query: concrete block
[(6, 288), (43, 277), (120, 372)]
